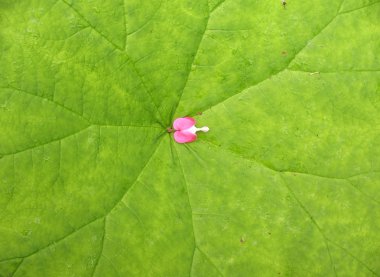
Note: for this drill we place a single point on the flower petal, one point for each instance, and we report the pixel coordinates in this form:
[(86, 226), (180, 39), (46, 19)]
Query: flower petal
[(183, 137), (183, 123)]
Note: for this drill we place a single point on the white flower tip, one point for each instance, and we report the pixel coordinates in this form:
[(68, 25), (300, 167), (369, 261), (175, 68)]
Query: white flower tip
[(204, 129)]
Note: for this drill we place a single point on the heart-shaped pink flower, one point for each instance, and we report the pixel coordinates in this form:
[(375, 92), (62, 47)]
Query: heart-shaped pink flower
[(185, 130)]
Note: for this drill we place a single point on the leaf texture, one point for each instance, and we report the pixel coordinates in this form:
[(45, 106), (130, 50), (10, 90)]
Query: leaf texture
[(286, 183)]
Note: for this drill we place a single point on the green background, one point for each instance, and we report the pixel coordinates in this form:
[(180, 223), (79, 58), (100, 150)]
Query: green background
[(286, 183)]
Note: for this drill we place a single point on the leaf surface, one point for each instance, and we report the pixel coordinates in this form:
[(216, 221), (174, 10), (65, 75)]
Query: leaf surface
[(286, 183)]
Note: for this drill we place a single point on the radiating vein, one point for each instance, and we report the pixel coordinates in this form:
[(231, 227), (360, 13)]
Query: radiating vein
[(17, 268), (92, 26), (101, 247), (160, 119), (210, 261), (334, 72), (312, 220), (190, 205), (283, 68), (118, 48), (101, 217), (48, 100), (45, 143), (354, 257), (363, 7), (125, 25), (217, 6), (191, 65), (74, 133), (55, 241), (285, 171), (147, 21), (327, 239)]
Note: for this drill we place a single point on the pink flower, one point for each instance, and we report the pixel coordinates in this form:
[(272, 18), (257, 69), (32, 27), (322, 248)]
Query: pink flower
[(185, 130)]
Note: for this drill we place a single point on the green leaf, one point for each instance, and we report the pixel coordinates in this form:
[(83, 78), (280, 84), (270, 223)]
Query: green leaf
[(286, 183)]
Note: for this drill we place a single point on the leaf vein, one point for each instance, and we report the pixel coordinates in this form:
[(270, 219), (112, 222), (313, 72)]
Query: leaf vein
[(92, 26), (314, 222), (45, 143), (300, 203), (101, 247), (46, 99), (147, 22), (72, 134), (217, 6), (55, 241), (286, 171), (355, 258), (191, 208), (282, 69), (363, 7), (125, 25), (191, 64), (210, 261), (17, 268)]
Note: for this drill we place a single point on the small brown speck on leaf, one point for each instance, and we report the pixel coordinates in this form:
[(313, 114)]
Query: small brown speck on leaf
[(284, 53), (242, 240)]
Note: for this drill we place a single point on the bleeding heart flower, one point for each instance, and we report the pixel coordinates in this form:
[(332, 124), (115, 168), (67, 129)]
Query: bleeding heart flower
[(185, 130)]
